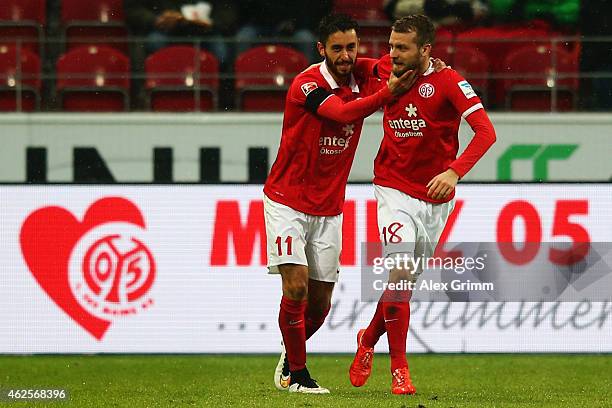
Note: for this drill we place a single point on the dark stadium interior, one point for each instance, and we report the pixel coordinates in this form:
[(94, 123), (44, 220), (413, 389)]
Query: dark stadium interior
[(113, 55)]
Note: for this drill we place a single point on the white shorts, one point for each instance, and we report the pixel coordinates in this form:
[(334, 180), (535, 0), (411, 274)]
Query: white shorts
[(294, 237), (409, 225)]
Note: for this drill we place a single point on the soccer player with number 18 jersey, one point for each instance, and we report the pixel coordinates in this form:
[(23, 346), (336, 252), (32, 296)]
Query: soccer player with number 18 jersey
[(415, 173)]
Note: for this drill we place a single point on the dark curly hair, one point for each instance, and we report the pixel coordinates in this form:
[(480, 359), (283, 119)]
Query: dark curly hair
[(333, 23)]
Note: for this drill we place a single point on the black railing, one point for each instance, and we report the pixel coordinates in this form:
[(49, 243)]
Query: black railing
[(559, 77)]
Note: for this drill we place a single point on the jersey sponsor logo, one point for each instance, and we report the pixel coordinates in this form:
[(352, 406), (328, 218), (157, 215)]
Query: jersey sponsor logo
[(412, 110), (467, 89), (427, 90), (349, 129), (333, 144), (413, 126), (308, 87), (337, 145)]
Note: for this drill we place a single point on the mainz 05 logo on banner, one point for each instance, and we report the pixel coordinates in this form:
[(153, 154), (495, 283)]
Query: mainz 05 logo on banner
[(182, 269), (97, 269)]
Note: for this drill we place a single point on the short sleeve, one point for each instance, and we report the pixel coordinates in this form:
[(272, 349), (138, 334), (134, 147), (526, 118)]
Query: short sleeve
[(365, 74), (364, 68), (308, 91), (461, 94), (382, 69)]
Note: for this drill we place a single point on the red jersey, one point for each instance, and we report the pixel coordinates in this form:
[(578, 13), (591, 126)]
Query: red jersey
[(421, 131), (315, 154)]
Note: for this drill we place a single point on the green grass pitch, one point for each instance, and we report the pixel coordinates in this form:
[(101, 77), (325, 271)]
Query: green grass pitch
[(455, 380)]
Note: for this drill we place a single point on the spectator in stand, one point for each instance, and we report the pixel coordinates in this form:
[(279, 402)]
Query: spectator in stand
[(595, 56), (442, 12), (456, 12), (295, 20), (397, 9), (164, 22)]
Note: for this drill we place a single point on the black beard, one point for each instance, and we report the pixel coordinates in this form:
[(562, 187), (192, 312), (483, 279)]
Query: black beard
[(406, 68), (403, 71), (332, 67)]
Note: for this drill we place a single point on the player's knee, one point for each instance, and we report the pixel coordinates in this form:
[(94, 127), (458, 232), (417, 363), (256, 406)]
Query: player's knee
[(295, 281), (296, 289), (401, 275)]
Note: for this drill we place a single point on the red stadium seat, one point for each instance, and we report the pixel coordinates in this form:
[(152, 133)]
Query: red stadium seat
[(23, 21), (263, 75), (539, 72), (444, 51), (19, 79), (372, 49), (444, 47), (443, 34), (174, 75), (362, 10), (497, 42), (375, 31), (98, 22), (374, 40), (93, 79), (475, 67)]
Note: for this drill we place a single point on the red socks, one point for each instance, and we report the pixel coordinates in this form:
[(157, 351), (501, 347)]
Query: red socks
[(298, 323), (376, 328), (293, 328), (397, 319), (391, 316), (314, 321)]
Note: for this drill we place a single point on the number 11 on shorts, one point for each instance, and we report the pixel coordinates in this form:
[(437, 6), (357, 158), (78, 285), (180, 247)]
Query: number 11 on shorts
[(279, 245)]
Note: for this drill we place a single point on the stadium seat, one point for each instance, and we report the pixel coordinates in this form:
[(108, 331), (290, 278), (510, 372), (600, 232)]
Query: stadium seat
[(361, 10), (99, 22), (374, 39), (538, 73), (475, 67), (444, 51), (93, 79), (174, 75), (22, 21), (444, 47), (19, 79), (263, 75), (375, 31), (372, 49), (496, 42)]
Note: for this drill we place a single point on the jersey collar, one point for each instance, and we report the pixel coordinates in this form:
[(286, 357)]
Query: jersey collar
[(429, 70), (332, 82)]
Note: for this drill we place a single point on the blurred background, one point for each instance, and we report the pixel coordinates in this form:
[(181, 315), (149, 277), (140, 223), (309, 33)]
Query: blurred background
[(230, 55)]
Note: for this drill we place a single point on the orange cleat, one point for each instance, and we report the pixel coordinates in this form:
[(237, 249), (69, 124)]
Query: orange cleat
[(401, 382), (362, 363)]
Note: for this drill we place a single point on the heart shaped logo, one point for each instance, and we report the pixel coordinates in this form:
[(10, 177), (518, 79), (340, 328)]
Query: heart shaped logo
[(96, 270)]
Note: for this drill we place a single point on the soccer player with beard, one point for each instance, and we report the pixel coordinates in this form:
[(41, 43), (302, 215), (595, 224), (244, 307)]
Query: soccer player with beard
[(304, 193), (415, 174)]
